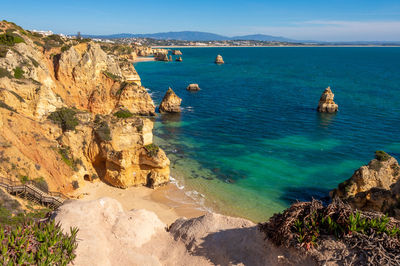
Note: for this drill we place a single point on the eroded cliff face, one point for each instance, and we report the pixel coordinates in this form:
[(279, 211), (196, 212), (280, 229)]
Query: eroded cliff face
[(373, 187), (70, 111)]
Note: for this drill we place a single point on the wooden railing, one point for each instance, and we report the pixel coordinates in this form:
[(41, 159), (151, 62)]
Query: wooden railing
[(31, 191)]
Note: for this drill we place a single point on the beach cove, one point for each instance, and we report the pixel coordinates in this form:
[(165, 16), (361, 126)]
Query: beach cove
[(251, 142)]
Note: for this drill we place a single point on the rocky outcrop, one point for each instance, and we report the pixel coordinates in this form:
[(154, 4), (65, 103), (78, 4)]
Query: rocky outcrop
[(179, 59), (193, 87), (161, 57), (326, 103), (73, 82), (176, 52), (129, 73), (117, 152), (108, 235), (375, 186), (219, 60), (170, 103)]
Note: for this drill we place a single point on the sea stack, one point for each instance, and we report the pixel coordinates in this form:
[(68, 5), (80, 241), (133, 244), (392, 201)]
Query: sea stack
[(170, 58), (161, 57), (326, 103), (176, 52), (193, 87), (179, 59), (219, 60), (170, 103)]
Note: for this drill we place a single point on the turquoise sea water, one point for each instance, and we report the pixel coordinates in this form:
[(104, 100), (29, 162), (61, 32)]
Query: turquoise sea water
[(251, 142)]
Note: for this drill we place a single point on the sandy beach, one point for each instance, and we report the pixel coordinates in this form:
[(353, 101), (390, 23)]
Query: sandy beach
[(168, 202), (143, 59)]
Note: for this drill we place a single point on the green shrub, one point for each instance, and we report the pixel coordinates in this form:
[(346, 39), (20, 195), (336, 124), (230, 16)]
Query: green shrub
[(10, 39), (112, 76), (12, 215), (37, 244), (65, 48), (382, 156), (18, 73), (66, 157), (24, 179), (65, 118), (123, 114), (152, 150)]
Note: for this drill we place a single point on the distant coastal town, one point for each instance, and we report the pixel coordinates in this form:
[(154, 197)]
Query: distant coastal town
[(170, 42)]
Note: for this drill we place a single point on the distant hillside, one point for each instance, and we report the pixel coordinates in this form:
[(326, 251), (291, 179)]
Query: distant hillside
[(193, 36), (262, 37)]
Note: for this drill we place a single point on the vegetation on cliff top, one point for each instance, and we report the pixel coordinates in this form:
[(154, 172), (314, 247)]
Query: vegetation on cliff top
[(68, 159), (371, 237), (112, 76), (18, 73), (37, 243), (26, 241), (65, 118), (123, 114), (152, 149), (9, 39), (382, 156)]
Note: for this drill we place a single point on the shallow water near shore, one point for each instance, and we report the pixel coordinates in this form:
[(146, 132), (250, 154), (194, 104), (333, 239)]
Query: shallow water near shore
[(251, 142)]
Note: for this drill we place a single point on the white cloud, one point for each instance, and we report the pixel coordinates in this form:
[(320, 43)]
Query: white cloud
[(332, 30)]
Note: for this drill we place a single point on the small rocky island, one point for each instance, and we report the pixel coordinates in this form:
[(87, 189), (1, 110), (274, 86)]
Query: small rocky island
[(170, 103), (193, 87), (161, 57), (219, 60), (326, 103), (179, 59), (176, 52)]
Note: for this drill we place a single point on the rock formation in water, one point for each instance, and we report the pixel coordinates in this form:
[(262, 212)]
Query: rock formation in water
[(374, 187), (193, 87), (161, 57), (69, 109), (176, 52), (170, 58), (171, 103), (179, 59), (219, 60), (326, 103)]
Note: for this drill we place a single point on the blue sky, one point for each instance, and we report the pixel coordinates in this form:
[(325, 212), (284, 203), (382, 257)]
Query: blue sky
[(325, 20)]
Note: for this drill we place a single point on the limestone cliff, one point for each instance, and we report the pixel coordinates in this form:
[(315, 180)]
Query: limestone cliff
[(375, 186), (326, 103), (69, 109)]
